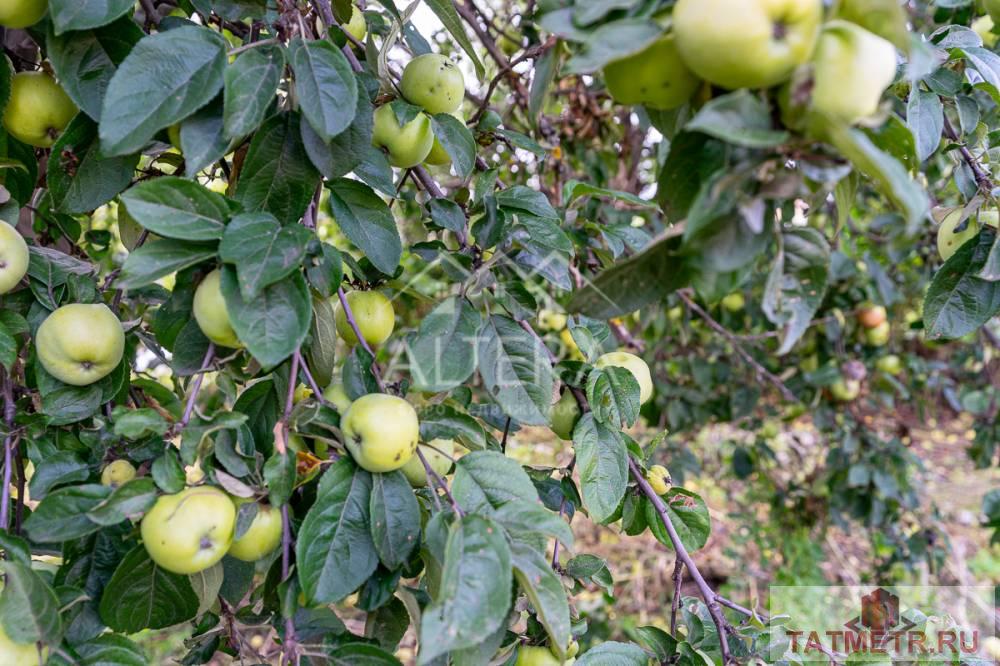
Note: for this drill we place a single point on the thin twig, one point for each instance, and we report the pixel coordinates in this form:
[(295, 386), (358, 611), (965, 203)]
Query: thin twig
[(196, 387), (440, 482), (288, 645), (675, 603), (983, 181), (8, 449)]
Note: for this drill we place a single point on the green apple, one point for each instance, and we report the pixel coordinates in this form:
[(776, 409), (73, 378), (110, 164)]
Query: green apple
[(950, 237), (438, 155), (571, 650), (508, 45), (21, 14), (336, 395), (871, 315), (373, 313), (407, 146), (746, 43), (565, 414), (655, 77), (658, 478), (356, 27), (13, 257), (845, 390), (438, 453), (809, 363), (189, 531), (983, 26), (531, 655), (890, 364), (381, 432), (20, 654), (117, 473), (734, 302), (211, 314), (262, 537), (633, 364), (551, 321), (38, 109), (433, 82), (174, 135), (79, 344), (878, 336), (851, 69)]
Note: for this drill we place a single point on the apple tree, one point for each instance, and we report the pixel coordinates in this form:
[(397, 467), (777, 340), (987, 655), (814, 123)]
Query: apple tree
[(283, 280)]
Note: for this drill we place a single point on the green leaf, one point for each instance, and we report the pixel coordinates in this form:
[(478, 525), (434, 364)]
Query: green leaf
[(142, 595), (262, 250), (83, 14), (251, 83), (168, 473), (347, 150), (613, 395), (486, 480), (178, 208), (612, 41), (446, 13), (443, 352), (70, 404), (367, 222), (520, 517), (689, 516), (958, 301), (138, 423), (277, 175), (335, 551), (520, 198), (797, 283), (395, 518), (574, 189), (740, 118), (29, 608), (457, 141), (474, 596), (545, 591), (144, 96), (925, 118), (202, 140), (158, 258), (359, 654), (275, 323), (111, 649), (612, 653), (325, 84), (447, 214), (59, 468), (130, 500), (80, 179), (511, 363), (447, 422), (603, 465), (62, 515)]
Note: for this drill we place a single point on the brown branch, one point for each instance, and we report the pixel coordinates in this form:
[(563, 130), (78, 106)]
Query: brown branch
[(200, 376), (982, 178), (9, 444)]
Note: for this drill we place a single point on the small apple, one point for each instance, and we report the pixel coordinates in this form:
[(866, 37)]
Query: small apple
[(658, 478), (438, 155), (655, 77), (381, 432), (79, 344), (845, 390), (373, 313), (21, 14), (878, 336), (983, 26), (433, 82), (633, 364), (38, 109), (262, 537), (20, 654), (551, 321), (211, 314), (734, 302), (565, 414), (950, 236), (572, 348), (890, 364), (117, 473), (438, 453), (189, 531), (336, 395), (509, 45), (407, 146), (356, 27), (746, 43), (851, 69), (174, 135), (13, 257), (871, 315), (530, 655)]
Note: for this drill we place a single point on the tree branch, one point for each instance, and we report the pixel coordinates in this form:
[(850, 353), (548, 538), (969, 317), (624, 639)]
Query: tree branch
[(199, 377)]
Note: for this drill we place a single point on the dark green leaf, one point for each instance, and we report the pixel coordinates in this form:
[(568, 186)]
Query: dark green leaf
[(603, 465), (443, 353), (178, 208), (80, 179), (740, 118), (130, 500), (613, 395), (486, 480), (958, 301), (613, 40), (512, 365), (544, 588), (251, 83), (458, 142), (275, 323), (142, 595), (325, 84), (62, 516), (158, 258), (83, 14), (262, 250), (29, 609), (612, 653), (395, 518), (446, 13), (367, 222), (797, 283), (925, 118), (689, 516)]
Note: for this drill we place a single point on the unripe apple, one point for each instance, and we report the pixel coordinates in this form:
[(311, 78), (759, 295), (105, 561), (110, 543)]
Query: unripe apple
[(871, 315), (565, 415), (20, 654), (433, 82), (438, 155), (211, 314), (336, 395), (531, 655), (746, 43), (38, 109), (734, 302), (117, 473), (189, 531), (949, 239), (574, 349), (809, 363), (878, 336), (373, 313), (262, 537), (407, 146), (983, 26), (633, 364), (890, 364), (655, 77), (13, 257), (551, 321), (381, 432), (356, 27), (845, 390), (658, 478), (851, 69), (174, 135), (79, 344), (438, 453), (21, 14)]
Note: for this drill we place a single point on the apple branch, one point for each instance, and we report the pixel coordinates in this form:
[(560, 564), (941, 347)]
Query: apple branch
[(361, 339), (288, 646), (431, 474), (9, 444), (982, 178), (196, 387)]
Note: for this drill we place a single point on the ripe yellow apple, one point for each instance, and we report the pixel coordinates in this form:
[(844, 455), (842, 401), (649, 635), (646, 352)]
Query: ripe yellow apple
[(983, 26), (79, 344), (659, 479), (189, 531), (20, 654), (878, 336), (373, 313), (356, 27), (211, 314), (851, 69), (407, 146), (890, 364), (531, 655), (551, 321), (21, 14), (871, 315), (949, 240), (336, 395), (655, 77), (438, 155), (746, 43), (845, 390), (565, 414), (734, 302), (38, 109), (13, 257), (262, 537), (438, 453), (433, 82), (633, 364), (381, 432), (117, 473)]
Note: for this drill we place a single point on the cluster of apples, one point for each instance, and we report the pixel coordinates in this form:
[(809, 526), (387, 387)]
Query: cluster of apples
[(737, 44)]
